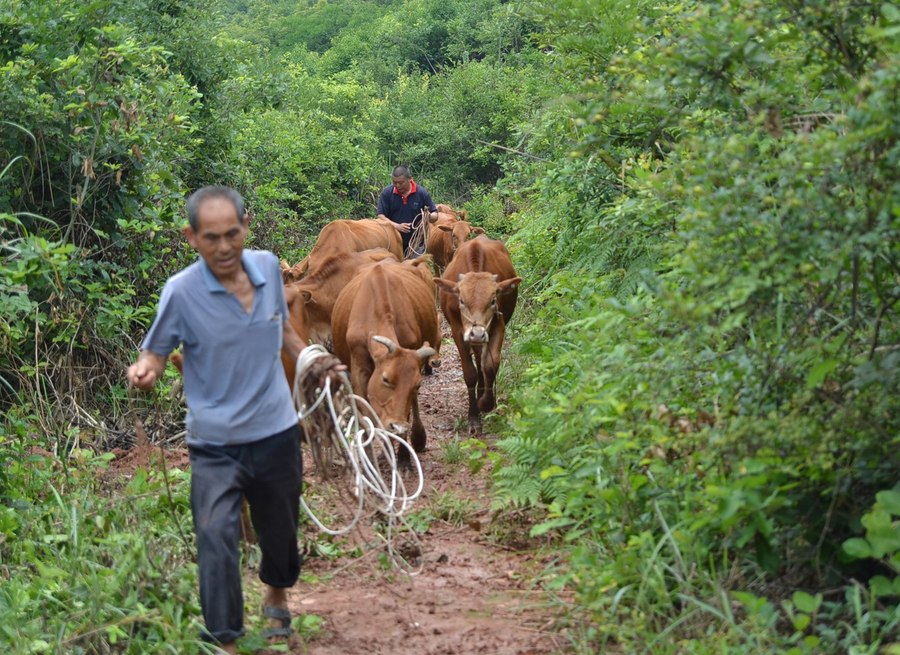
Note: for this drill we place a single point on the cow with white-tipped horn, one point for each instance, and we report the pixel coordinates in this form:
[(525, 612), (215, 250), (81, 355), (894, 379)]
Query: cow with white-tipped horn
[(385, 327)]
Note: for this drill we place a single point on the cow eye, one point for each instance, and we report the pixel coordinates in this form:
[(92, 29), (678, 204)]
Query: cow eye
[(462, 303), (386, 381)]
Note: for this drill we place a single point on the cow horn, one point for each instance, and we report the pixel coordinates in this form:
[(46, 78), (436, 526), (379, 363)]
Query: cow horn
[(387, 343), (425, 352)]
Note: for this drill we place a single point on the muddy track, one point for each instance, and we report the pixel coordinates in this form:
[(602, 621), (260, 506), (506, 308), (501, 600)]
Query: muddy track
[(476, 591)]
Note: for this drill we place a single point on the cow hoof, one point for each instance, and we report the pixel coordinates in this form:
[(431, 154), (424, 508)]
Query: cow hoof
[(475, 425), (486, 404), (417, 438)]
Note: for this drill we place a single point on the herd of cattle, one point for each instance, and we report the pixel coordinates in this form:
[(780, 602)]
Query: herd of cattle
[(355, 295)]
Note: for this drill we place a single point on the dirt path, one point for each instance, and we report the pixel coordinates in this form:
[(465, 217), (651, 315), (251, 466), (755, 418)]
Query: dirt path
[(476, 592)]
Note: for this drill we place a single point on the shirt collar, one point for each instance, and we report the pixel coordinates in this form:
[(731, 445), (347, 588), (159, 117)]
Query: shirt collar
[(214, 286), (412, 190)]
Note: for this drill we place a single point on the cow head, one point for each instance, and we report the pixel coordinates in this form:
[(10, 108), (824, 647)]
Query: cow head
[(459, 231), (294, 273), (477, 295), (308, 312), (296, 299), (458, 214), (422, 265), (395, 381)]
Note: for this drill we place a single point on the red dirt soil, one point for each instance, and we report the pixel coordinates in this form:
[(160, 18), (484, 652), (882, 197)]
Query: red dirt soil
[(476, 592)]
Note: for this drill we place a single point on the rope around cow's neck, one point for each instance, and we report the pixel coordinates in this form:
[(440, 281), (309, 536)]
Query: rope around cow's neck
[(357, 437)]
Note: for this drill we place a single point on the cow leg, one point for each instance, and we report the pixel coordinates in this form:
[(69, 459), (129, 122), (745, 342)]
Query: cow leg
[(417, 430), (490, 364), (470, 375), (360, 371), (417, 436)]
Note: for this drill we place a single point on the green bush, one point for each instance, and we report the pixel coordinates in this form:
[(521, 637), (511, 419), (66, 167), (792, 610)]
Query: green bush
[(706, 400)]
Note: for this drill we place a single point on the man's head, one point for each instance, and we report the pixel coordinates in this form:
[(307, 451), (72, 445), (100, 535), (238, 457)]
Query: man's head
[(401, 179), (217, 228)]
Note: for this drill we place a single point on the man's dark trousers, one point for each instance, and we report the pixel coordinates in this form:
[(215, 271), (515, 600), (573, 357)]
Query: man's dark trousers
[(269, 473)]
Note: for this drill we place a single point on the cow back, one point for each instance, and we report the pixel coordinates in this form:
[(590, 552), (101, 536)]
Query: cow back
[(343, 236), (386, 297)]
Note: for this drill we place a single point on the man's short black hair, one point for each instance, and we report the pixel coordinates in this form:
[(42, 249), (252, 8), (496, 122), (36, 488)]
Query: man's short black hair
[(400, 171), (198, 197)]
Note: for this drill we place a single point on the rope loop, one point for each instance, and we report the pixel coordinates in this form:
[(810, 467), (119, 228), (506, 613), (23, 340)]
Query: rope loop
[(344, 432)]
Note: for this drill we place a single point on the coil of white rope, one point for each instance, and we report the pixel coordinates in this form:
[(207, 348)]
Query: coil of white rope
[(355, 434), (418, 237)]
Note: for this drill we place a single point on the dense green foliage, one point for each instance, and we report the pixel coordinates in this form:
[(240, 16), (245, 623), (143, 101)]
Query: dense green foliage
[(701, 393), (724, 364)]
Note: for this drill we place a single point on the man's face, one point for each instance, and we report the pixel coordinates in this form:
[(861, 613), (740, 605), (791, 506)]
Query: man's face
[(219, 237), (401, 183)]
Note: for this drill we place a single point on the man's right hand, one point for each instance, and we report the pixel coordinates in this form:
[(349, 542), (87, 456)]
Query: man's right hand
[(402, 227), (144, 373)]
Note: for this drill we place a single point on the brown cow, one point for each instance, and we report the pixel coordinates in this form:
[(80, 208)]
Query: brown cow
[(384, 324), (297, 319), (311, 300), (445, 235), (343, 236), (478, 296), (294, 273)]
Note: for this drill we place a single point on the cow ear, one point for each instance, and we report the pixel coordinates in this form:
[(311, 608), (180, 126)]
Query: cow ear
[(446, 285), (508, 285), (477, 230), (445, 228)]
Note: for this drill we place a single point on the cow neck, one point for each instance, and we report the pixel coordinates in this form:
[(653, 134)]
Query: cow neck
[(381, 297)]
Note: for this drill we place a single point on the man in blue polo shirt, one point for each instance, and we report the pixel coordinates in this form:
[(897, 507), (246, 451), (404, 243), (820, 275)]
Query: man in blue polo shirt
[(402, 203), (227, 311)]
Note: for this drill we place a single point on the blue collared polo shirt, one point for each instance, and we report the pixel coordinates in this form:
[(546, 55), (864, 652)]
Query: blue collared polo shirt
[(234, 381)]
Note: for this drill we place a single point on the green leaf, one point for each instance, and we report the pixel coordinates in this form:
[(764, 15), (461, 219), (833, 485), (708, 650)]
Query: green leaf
[(876, 520), (638, 480), (857, 548), (811, 641), (806, 602), (881, 586), (552, 471), (889, 500), (552, 524), (884, 541), (819, 372), (800, 621)]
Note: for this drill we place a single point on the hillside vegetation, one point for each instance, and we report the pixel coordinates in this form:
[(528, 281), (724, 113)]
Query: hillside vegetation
[(700, 402)]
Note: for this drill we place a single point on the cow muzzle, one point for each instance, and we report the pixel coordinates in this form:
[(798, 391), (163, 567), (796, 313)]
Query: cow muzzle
[(476, 334)]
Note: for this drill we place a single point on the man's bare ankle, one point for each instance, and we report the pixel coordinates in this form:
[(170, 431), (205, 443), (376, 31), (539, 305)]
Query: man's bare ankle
[(229, 648), (276, 597)]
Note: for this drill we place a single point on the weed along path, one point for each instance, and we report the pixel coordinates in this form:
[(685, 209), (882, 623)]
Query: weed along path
[(475, 591)]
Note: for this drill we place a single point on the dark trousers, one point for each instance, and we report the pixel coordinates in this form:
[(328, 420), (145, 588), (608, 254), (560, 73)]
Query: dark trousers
[(269, 473)]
